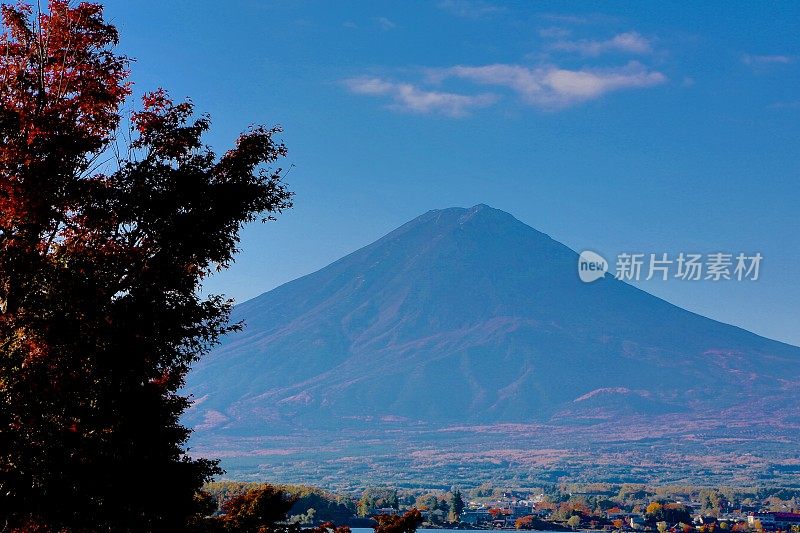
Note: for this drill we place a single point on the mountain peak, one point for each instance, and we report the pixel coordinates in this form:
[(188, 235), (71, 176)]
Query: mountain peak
[(467, 314), (486, 208), (480, 218), (483, 212), (464, 210)]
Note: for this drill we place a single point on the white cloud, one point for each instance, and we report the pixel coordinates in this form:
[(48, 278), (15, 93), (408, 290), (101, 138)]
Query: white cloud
[(554, 87), (763, 60), (629, 42), (369, 86), (385, 24), (554, 32), (408, 97), (565, 18), (469, 8), (790, 104), (579, 20)]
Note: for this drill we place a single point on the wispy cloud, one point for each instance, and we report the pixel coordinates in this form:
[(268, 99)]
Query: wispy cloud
[(385, 24), (469, 8), (410, 98), (629, 43), (579, 20), (543, 81), (547, 87), (552, 87), (766, 60), (791, 104), (554, 32)]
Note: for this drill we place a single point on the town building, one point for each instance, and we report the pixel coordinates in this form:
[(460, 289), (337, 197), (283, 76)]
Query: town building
[(773, 521)]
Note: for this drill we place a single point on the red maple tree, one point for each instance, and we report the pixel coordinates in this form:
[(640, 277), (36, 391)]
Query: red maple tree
[(102, 250)]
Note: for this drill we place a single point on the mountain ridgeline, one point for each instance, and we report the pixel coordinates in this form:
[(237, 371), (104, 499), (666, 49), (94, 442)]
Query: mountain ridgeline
[(469, 316)]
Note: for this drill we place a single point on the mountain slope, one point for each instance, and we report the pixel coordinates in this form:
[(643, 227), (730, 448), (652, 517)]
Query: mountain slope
[(466, 316)]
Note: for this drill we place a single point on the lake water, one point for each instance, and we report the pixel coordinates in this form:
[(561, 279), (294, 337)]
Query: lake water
[(369, 530)]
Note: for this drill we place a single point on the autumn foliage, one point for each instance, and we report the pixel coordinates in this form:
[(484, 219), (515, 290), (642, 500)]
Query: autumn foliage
[(258, 509), (406, 523), (524, 522), (497, 512), (103, 246)]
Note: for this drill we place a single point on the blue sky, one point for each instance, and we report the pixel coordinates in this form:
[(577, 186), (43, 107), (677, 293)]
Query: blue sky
[(618, 127)]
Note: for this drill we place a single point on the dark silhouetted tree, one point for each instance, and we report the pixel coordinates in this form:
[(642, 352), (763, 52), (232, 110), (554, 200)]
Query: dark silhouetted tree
[(456, 505), (328, 527), (406, 523), (258, 509), (100, 266), (392, 500)]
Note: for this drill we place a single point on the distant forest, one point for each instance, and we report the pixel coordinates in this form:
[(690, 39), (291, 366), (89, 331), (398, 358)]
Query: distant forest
[(312, 505)]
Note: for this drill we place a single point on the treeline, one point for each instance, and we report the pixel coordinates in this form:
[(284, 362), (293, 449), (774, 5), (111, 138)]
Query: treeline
[(233, 507), (312, 505), (306, 506), (712, 501), (309, 505), (439, 507)]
